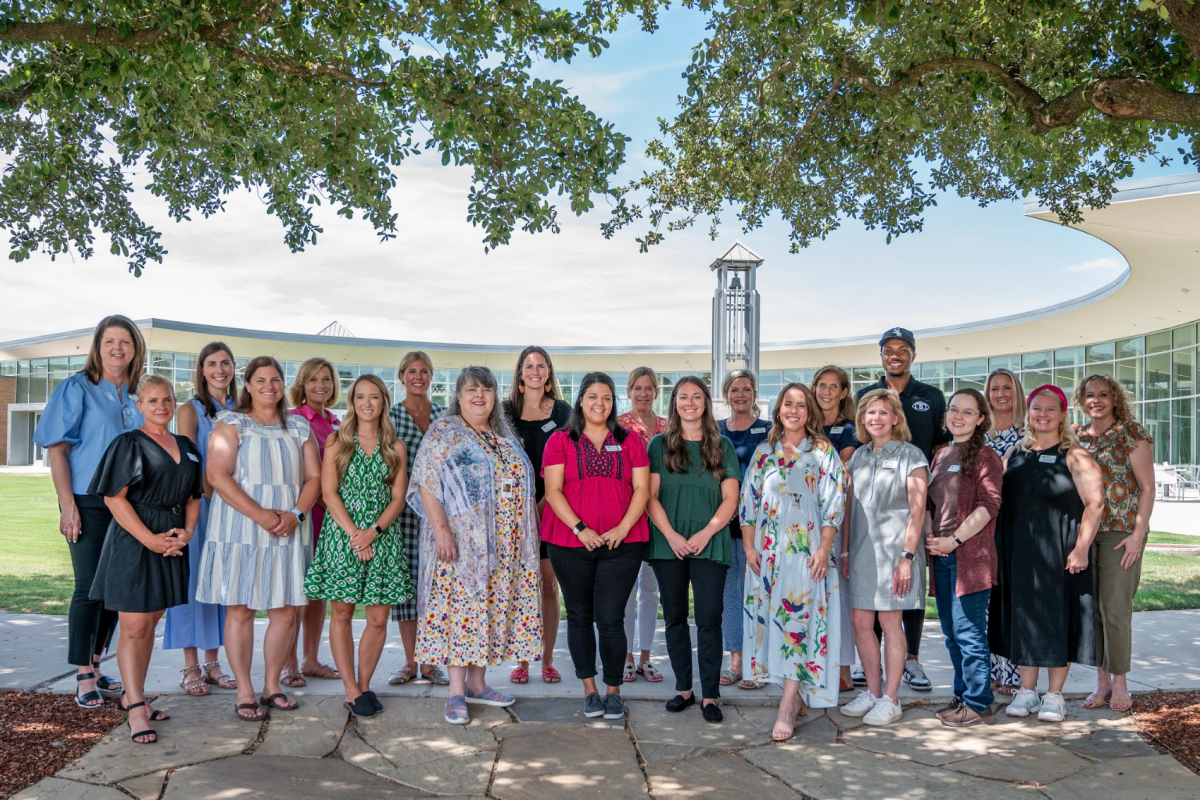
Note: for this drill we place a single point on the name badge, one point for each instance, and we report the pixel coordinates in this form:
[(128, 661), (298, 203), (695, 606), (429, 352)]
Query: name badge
[(758, 430), (612, 448), (193, 457), (549, 426), (891, 464), (954, 468), (837, 429), (506, 488), (1044, 459)]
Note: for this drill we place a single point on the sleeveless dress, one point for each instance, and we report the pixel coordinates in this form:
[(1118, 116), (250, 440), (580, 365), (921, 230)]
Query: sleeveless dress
[(197, 624), (410, 433), (1041, 615), (131, 577), (242, 563), (336, 572)]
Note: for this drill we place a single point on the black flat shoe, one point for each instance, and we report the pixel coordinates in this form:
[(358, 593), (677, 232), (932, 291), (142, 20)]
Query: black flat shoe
[(679, 702), (361, 707), (712, 713), (375, 703)]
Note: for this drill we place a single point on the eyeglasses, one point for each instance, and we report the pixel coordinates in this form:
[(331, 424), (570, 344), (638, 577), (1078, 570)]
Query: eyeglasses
[(967, 413)]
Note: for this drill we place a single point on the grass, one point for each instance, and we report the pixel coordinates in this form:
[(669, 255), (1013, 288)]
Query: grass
[(36, 575)]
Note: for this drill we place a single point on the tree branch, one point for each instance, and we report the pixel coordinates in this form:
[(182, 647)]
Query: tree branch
[(1184, 16), (79, 33), (281, 63)]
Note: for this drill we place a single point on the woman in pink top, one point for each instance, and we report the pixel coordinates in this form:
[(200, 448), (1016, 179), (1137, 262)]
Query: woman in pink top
[(594, 525), (314, 391)]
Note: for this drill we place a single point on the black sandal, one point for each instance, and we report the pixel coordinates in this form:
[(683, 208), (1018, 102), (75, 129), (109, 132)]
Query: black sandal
[(155, 714), (107, 686), (147, 732), (361, 707), (240, 707), (87, 700), (273, 702)]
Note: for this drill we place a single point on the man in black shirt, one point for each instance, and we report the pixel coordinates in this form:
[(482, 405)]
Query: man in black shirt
[(925, 412)]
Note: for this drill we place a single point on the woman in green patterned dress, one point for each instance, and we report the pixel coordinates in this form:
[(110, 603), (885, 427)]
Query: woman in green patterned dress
[(360, 555)]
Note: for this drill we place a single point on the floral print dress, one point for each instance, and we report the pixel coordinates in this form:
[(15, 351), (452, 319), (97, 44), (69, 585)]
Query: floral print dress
[(793, 626), (484, 608)]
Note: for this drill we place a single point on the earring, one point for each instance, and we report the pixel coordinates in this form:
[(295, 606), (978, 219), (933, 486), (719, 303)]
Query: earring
[(549, 389), (521, 388)]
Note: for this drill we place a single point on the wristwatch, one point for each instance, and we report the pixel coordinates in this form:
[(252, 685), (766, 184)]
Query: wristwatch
[(580, 527), (957, 541), (907, 556), (299, 514), (378, 530)]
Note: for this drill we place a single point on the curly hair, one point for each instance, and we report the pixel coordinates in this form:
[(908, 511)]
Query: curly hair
[(1122, 410), (677, 458)]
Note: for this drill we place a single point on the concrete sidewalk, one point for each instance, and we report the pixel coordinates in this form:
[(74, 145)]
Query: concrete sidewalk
[(33, 657)]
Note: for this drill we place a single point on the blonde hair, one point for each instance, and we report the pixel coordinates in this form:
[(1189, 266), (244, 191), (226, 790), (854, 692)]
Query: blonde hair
[(641, 372), (1019, 409), (308, 370), (347, 434), (738, 374), (1122, 411), (94, 368), (1067, 438), (813, 427), (900, 430), (410, 357), (154, 380), (846, 410)]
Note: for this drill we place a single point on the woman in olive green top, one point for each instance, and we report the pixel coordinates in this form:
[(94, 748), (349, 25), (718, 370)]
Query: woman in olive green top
[(694, 485)]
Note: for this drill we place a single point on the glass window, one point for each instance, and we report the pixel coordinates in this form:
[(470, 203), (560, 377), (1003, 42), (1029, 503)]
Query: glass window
[(185, 362), (936, 369), (1127, 348), (8, 369), (975, 383), (1100, 352), (1035, 360), (1067, 379), (1181, 431), (1185, 336), (1032, 380), (22, 395), (1102, 369), (1129, 375), (160, 361), (1068, 357), (804, 376), (1158, 342), (1183, 372), (1011, 363), (38, 375), (78, 363), (1158, 377), (971, 366), (1157, 419)]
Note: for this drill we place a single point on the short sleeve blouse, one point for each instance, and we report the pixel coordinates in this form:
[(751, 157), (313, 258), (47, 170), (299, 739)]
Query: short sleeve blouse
[(598, 485), (690, 499), (1111, 450)]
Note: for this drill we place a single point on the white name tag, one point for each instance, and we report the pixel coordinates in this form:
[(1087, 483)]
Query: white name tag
[(193, 457), (758, 430), (613, 448), (837, 429), (1048, 459), (549, 426), (506, 488), (954, 468), (892, 464)]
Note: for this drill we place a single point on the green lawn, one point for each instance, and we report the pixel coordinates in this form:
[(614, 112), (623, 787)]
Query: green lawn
[(35, 568)]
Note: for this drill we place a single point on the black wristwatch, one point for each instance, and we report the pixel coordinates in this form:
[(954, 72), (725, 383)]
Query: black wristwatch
[(907, 556), (580, 527), (378, 530)]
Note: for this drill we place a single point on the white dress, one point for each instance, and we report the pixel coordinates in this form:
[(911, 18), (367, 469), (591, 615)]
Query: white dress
[(242, 563)]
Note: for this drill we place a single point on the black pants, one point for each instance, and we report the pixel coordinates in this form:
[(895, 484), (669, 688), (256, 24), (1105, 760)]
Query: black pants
[(595, 587), (89, 624), (707, 579), (914, 625)]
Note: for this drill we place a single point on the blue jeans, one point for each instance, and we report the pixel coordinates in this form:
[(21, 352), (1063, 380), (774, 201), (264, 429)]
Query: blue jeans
[(964, 622)]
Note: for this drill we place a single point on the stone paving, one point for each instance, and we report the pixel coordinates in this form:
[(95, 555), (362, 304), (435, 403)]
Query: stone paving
[(546, 749)]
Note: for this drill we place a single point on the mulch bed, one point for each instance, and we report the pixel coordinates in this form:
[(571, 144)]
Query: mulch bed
[(1171, 720), (42, 733)]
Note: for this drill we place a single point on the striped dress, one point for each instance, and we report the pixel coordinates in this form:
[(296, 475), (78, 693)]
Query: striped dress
[(242, 563)]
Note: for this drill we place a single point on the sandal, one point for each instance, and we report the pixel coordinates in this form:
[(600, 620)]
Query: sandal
[(292, 679), (403, 675), (630, 673), (240, 707), (1120, 702), (137, 736), (155, 714), (649, 672), (783, 731), (550, 674), (729, 677), (749, 684), (197, 686), (277, 702), (324, 672), (518, 675), (435, 676), (1098, 700), (222, 681), (87, 700), (107, 686)]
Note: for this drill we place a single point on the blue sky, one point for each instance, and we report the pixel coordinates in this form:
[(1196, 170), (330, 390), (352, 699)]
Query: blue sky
[(575, 288)]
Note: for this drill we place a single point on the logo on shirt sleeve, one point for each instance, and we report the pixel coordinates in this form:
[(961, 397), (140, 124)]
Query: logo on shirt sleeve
[(920, 405)]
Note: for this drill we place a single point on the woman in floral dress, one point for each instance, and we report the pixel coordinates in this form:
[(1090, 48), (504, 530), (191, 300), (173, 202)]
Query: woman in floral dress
[(360, 556), (793, 498), (478, 591)]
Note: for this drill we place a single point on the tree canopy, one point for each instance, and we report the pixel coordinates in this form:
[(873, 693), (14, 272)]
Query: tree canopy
[(305, 102), (826, 110)]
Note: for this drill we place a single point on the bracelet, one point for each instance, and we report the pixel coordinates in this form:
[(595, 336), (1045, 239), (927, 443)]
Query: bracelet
[(844, 555)]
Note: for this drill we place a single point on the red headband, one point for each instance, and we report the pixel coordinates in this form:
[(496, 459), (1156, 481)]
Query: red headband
[(1047, 387)]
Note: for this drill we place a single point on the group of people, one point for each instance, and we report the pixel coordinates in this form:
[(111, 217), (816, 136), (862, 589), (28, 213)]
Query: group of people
[(796, 542)]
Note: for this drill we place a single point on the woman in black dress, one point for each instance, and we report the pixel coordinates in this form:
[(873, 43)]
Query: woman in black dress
[(535, 409), (150, 481), (1050, 508)]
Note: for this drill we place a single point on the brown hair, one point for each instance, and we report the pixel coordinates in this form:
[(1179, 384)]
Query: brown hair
[(813, 428), (200, 385), (900, 431), (1122, 411), (677, 457), (970, 453), (245, 403), (347, 434), (308, 370), (845, 412), (94, 368), (641, 372)]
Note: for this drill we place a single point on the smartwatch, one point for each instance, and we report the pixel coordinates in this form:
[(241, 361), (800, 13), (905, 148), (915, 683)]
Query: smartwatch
[(580, 527), (378, 530), (907, 556), (299, 514)]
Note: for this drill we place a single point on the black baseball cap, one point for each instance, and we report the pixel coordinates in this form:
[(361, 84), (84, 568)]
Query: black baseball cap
[(903, 334)]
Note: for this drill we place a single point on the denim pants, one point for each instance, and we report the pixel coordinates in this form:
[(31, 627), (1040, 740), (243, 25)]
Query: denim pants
[(733, 609), (595, 586), (964, 622)]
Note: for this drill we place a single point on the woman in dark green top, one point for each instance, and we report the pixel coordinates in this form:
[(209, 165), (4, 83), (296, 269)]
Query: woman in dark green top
[(694, 483)]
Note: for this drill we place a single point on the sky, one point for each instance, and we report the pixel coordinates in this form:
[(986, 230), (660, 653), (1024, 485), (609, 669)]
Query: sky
[(434, 283)]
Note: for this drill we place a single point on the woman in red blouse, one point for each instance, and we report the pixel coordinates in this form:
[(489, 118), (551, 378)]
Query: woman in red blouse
[(594, 525)]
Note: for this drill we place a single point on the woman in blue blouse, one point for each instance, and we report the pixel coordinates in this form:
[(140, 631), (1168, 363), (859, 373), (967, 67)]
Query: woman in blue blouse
[(85, 413)]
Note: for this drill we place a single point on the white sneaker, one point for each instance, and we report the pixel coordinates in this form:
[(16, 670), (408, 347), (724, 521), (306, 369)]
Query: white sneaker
[(1024, 703), (859, 705), (1054, 708), (885, 712)]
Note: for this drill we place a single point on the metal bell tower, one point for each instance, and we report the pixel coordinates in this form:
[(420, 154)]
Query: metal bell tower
[(735, 320)]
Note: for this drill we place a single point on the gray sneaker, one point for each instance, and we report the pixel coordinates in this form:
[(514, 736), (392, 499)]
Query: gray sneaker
[(593, 705), (614, 707)]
